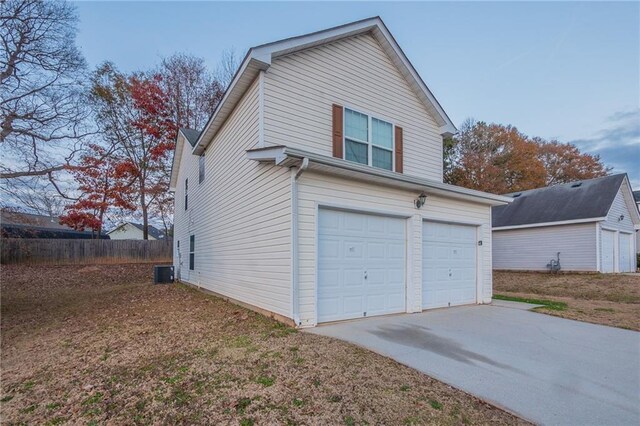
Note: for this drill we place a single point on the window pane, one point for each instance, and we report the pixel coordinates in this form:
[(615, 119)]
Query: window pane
[(356, 125), (356, 151), (201, 169), (382, 133), (382, 158), (192, 262), (192, 243)]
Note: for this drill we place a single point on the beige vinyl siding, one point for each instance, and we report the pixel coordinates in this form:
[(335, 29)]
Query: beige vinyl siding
[(300, 89), (317, 189), (530, 249), (619, 208), (240, 215)]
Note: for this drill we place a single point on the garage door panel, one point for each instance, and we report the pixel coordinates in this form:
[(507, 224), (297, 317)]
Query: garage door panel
[(353, 277), (608, 239), (625, 247), (448, 265), (371, 265)]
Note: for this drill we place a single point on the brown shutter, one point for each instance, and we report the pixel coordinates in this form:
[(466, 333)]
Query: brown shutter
[(399, 149), (337, 131)]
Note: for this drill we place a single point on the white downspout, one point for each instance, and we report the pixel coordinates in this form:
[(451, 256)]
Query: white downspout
[(294, 240)]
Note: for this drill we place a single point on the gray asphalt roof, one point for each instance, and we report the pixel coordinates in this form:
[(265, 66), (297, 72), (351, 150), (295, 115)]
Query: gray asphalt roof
[(191, 135), (570, 201), (636, 196)]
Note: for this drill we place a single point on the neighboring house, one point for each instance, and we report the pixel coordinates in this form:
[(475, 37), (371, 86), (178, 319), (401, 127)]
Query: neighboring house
[(26, 225), (298, 198), (134, 231), (592, 223), (636, 197)]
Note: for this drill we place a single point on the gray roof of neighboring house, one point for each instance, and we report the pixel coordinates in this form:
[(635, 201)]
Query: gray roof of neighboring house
[(583, 199), (636, 196), (153, 231), (191, 135), (9, 217)]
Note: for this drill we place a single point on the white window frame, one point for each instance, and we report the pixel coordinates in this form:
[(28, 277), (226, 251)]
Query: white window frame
[(192, 252), (370, 144)]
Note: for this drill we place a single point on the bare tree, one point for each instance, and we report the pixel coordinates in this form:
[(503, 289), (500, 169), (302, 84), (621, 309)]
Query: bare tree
[(193, 91), (41, 87), (32, 193), (227, 67)]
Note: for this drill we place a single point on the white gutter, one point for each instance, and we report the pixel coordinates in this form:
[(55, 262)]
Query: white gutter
[(541, 224), (286, 156), (295, 298)]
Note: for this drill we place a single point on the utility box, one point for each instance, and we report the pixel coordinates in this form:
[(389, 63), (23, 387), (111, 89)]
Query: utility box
[(163, 274)]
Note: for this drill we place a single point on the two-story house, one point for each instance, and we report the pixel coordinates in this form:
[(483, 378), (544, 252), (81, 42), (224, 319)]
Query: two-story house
[(315, 191)]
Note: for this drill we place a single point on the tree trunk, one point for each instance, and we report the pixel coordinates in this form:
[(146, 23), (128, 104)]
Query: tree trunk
[(145, 215)]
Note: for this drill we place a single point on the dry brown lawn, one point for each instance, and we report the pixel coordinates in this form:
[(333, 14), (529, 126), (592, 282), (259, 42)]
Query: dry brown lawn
[(608, 299), (102, 345)]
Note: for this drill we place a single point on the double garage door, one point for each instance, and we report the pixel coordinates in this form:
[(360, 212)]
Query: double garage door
[(362, 263), (623, 257)]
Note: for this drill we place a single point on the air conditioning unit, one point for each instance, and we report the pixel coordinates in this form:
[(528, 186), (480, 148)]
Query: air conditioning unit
[(163, 274)]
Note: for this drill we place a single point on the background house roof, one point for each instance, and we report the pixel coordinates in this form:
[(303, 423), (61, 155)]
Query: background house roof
[(191, 135), (26, 225), (583, 199), (636, 196), (8, 217)]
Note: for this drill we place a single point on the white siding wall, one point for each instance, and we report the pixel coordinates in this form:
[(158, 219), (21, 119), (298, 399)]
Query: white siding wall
[(240, 215), (128, 232), (530, 249), (618, 208), (300, 89), (322, 190)]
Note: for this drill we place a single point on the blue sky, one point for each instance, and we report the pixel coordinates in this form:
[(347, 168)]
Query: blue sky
[(557, 70)]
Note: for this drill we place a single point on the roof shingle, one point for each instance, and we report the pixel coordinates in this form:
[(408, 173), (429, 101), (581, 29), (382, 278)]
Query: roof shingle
[(583, 199)]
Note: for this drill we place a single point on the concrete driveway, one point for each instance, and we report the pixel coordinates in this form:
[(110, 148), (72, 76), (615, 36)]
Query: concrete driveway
[(546, 369)]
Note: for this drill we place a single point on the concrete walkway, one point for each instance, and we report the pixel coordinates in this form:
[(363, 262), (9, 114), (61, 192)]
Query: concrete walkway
[(546, 369)]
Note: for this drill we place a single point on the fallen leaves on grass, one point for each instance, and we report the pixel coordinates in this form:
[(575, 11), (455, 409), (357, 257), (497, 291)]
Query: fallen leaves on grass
[(101, 344)]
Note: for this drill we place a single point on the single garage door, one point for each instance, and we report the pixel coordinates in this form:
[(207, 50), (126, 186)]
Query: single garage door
[(448, 265), (608, 239), (361, 265), (625, 249)]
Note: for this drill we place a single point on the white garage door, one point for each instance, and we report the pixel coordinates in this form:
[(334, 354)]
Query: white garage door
[(625, 248), (361, 264), (448, 265), (607, 250)]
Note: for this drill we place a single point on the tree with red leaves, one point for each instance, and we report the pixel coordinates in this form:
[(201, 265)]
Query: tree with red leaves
[(133, 112), (104, 184)]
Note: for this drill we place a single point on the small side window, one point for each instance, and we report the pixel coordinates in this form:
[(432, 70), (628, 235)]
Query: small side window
[(192, 252), (201, 169), (186, 194)]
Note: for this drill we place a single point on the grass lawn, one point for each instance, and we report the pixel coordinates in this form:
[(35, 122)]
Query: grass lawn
[(608, 299), (101, 344)]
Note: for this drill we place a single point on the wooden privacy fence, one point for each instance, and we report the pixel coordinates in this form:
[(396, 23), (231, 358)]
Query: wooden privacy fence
[(60, 251)]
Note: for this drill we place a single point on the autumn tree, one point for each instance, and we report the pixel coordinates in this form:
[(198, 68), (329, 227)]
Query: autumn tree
[(495, 158), (134, 114), (42, 108), (500, 159), (563, 162), (104, 184)]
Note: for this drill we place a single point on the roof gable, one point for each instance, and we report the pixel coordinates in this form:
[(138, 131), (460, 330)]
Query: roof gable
[(575, 201), (260, 57)]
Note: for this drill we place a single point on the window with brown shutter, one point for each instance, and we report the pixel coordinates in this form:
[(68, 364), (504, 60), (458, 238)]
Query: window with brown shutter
[(337, 131), (399, 149)]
